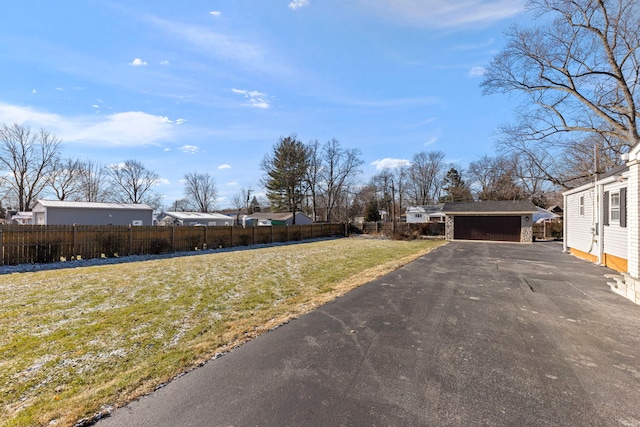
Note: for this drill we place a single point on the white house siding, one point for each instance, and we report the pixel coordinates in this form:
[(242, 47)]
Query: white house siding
[(414, 217), (615, 237), (579, 234)]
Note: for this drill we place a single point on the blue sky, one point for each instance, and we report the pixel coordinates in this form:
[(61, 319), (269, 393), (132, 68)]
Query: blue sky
[(210, 86)]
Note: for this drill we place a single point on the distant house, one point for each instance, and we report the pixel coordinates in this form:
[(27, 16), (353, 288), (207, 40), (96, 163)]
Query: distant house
[(545, 215), (425, 213), (56, 212), (503, 220), (197, 219), (284, 218), (556, 210), (22, 218)]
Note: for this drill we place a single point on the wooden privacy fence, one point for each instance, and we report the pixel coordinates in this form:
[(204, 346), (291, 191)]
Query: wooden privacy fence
[(422, 229), (547, 230), (33, 244)]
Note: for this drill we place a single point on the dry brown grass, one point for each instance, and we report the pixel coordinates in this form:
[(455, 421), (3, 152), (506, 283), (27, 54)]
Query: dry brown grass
[(79, 341)]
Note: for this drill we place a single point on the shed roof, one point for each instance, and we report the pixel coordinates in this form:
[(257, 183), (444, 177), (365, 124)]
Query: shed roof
[(428, 209), (278, 216), (198, 215), (93, 205), (491, 207)]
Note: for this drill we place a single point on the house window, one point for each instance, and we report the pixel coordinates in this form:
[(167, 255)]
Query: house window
[(581, 206), (418, 215), (614, 207)]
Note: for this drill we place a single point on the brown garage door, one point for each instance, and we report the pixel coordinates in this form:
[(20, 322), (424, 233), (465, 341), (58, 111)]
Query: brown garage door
[(500, 228)]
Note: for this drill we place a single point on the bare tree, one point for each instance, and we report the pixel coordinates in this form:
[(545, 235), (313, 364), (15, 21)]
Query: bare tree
[(426, 175), (132, 182), (241, 201), (579, 70), (181, 205), (201, 189), (65, 178), (339, 172), (93, 182), (401, 177), (312, 178), (493, 179), (385, 190), (28, 159)]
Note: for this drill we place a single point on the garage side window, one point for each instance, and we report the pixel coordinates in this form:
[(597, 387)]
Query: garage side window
[(614, 208), (581, 205)]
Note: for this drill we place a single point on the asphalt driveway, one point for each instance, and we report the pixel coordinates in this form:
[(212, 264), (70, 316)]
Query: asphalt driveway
[(472, 334)]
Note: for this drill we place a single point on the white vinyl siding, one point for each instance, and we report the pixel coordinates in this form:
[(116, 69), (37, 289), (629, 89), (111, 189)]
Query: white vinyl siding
[(615, 236), (581, 205), (581, 221)]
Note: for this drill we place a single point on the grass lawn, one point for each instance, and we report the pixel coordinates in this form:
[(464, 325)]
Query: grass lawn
[(76, 342)]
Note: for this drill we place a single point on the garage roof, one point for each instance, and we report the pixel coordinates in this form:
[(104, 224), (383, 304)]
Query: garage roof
[(491, 207)]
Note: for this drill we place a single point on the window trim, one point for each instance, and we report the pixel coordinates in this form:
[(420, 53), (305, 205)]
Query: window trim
[(614, 208), (581, 205)]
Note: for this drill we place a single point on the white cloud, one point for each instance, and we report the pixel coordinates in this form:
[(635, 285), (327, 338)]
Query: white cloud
[(431, 141), (180, 121), (163, 181), (389, 163), (225, 166), (228, 48), (477, 71), (215, 44), (445, 13), (164, 62), (215, 13), (34, 91), (138, 63), (128, 129), (255, 99), (190, 149), (296, 4), (232, 184), (475, 46)]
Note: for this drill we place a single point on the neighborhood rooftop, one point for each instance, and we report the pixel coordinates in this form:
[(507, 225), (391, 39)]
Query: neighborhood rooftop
[(91, 205)]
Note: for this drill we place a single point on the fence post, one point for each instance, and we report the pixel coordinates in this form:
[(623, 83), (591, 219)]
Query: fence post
[(231, 244), (173, 237), (130, 240), (205, 236), (253, 233), (1, 246), (75, 241)]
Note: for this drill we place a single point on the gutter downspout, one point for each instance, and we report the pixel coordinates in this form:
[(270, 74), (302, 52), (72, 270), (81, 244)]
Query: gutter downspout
[(565, 221), (600, 223)]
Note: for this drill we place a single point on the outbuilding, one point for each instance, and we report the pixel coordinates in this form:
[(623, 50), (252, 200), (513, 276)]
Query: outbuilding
[(58, 212), (503, 220), (284, 218), (197, 219)]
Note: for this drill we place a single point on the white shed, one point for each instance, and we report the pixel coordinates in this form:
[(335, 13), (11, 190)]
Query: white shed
[(197, 219)]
